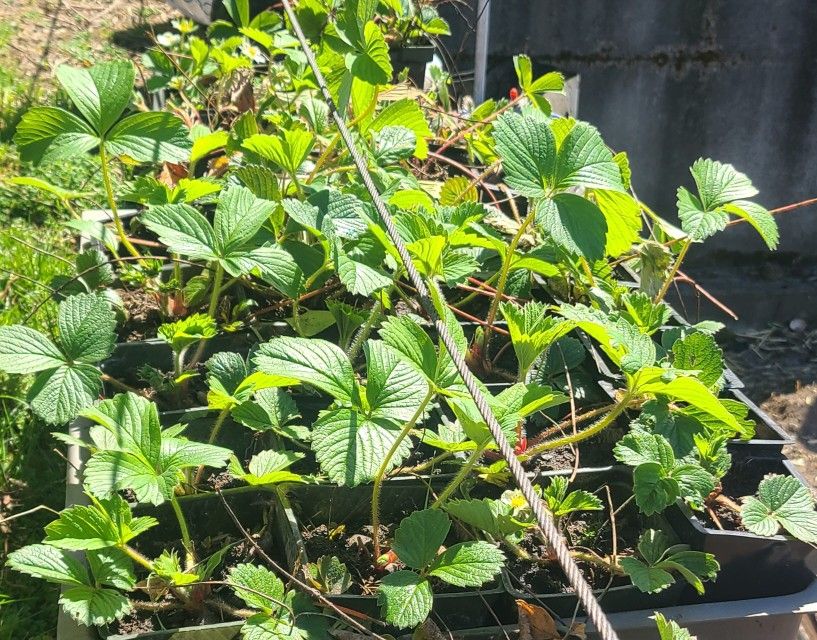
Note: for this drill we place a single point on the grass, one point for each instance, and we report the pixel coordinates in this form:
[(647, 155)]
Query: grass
[(31, 473)]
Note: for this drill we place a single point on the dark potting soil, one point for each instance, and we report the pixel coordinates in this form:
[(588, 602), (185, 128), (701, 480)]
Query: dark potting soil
[(144, 315), (590, 530)]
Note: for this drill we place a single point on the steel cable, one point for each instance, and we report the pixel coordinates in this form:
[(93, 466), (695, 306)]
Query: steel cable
[(543, 517)]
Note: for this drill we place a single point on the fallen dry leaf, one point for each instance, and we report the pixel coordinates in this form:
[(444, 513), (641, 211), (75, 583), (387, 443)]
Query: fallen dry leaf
[(535, 623)]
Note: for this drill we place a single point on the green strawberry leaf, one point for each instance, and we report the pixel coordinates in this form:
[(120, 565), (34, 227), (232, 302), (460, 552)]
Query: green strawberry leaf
[(468, 564), (419, 537), (781, 501), (405, 599)]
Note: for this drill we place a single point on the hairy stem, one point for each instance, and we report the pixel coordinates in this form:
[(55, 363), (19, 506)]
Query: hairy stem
[(381, 472), (366, 330), (591, 431), (137, 557), (190, 556), (674, 271), (117, 221), (503, 279), (476, 454), (218, 278)]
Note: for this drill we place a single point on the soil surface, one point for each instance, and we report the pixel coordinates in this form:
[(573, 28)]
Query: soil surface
[(778, 365), (585, 530)]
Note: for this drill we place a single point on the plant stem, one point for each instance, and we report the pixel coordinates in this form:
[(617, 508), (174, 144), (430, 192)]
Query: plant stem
[(428, 464), (381, 472), (671, 275), (120, 385), (117, 221), (222, 416), (364, 332), (137, 557), (476, 454), (218, 278), (503, 279), (190, 557), (597, 428)]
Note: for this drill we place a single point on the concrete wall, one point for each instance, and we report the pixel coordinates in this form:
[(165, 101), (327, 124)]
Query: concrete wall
[(671, 80)]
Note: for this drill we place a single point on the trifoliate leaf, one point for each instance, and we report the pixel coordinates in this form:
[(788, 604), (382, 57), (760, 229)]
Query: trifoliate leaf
[(405, 599), (267, 467), (640, 310), (187, 331), (271, 409), (654, 488), (468, 564), (405, 113), (419, 537), (106, 523), (781, 501), (719, 183), (645, 578), (287, 150), (491, 516), (532, 331), (669, 629)]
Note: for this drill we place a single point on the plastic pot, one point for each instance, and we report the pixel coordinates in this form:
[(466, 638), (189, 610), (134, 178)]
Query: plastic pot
[(752, 566), (413, 57), (320, 504)]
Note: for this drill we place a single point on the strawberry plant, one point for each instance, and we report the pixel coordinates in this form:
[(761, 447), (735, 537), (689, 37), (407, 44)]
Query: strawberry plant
[(253, 228)]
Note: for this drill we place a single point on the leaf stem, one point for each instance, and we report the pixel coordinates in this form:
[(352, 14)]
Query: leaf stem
[(503, 279), (381, 472), (218, 279), (222, 416), (595, 429), (476, 454), (674, 271), (137, 557), (117, 221), (190, 557)]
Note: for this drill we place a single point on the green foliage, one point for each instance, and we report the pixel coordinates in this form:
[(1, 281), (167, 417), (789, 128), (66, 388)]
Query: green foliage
[(658, 478), (350, 441), (406, 596), (669, 629), (532, 332), (67, 379), (101, 94), (130, 451), (654, 571), (329, 575), (722, 191), (187, 331), (781, 502), (562, 503), (280, 614)]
